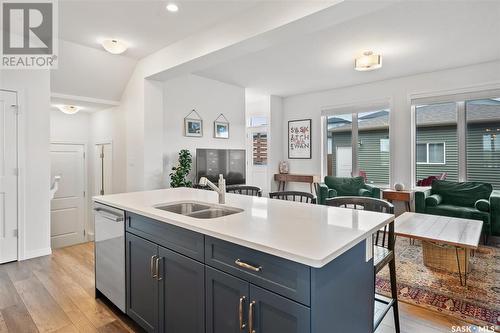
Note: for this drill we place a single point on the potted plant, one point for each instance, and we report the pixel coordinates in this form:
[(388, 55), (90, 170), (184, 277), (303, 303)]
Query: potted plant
[(181, 171)]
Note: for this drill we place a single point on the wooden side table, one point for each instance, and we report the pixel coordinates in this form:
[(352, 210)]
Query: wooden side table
[(283, 178), (393, 195)]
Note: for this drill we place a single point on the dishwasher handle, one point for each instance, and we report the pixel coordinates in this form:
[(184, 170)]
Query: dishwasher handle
[(108, 215)]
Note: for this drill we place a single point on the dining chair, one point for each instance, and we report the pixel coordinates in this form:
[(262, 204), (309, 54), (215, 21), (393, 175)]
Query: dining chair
[(250, 190), (294, 196)]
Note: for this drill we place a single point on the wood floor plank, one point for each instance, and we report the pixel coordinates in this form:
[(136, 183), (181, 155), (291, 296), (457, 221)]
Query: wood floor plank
[(46, 313), (8, 294), (81, 322), (3, 325), (17, 319), (113, 327)]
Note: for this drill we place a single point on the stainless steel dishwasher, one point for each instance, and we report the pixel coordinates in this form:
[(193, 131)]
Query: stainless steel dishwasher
[(110, 253)]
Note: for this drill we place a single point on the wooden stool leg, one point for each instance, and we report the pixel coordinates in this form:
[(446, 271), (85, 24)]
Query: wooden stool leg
[(394, 293)]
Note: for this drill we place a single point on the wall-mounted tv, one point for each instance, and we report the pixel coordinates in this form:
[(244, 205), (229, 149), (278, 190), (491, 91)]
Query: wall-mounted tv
[(231, 163)]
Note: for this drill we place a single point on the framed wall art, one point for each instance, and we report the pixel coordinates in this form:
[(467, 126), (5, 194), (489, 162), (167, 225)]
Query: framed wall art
[(299, 139), (193, 126)]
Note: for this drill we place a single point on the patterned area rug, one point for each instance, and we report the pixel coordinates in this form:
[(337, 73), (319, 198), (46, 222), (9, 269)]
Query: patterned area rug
[(478, 303)]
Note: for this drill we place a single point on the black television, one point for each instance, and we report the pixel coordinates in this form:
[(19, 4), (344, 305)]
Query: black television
[(231, 163)]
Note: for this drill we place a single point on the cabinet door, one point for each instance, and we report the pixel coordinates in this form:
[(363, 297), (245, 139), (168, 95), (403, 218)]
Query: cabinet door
[(226, 297), (142, 287), (182, 293), (273, 313)]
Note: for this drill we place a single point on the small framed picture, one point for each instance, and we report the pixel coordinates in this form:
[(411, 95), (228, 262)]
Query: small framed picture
[(193, 127), (221, 130)]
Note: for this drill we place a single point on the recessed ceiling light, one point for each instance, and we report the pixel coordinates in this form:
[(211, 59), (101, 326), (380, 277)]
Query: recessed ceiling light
[(114, 46), (172, 7), (368, 62), (69, 109)]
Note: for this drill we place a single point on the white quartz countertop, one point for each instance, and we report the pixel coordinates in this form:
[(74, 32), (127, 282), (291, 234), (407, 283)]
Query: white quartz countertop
[(312, 235)]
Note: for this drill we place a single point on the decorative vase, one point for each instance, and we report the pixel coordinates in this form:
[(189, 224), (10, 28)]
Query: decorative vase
[(283, 167), (399, 187)]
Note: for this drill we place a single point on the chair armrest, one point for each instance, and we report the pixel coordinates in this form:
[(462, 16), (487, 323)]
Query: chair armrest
[(322, 194), (375, 191), (420, 197), (495, 212)]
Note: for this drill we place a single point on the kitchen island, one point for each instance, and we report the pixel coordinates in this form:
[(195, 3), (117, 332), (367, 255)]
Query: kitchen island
[(270, 266)]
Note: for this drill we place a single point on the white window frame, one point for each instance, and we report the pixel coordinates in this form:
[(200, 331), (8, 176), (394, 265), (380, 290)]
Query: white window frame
[(459, 96), (427, 152)]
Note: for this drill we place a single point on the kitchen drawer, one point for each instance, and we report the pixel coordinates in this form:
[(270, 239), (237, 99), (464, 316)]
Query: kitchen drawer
[(282, 276), (186, 242)]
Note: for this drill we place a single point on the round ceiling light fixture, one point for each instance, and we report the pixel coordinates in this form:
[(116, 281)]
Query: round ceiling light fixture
[(172, 7), (368, 62), (69, 109), (114, 46)]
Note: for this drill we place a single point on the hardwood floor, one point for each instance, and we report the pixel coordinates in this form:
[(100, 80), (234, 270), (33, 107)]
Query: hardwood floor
[(56, 294)]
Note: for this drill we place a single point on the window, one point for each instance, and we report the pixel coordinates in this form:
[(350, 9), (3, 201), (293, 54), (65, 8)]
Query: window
[(369, 157), (483, 141), (257, 121), (436, 149), (431, 153), (459, 140), (384, 145)]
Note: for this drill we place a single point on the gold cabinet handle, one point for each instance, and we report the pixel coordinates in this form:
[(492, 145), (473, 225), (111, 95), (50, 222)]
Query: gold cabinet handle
[(251, 318), (248, 266), (157, 269), (152, 266), (240, 312)]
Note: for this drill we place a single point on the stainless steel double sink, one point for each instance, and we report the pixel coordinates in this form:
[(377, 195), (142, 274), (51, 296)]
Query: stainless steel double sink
[(198, 210)]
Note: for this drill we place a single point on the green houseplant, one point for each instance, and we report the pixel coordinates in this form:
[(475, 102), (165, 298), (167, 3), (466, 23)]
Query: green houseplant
[(181, 171)]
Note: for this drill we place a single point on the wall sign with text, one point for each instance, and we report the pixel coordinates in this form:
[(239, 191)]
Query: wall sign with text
[(299, 138)]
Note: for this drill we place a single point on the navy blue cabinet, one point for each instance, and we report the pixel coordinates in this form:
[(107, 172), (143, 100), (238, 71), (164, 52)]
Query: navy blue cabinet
[(142, 287), (165, 290), (270, 313), (235, 305), (226, 302), (182, 293)]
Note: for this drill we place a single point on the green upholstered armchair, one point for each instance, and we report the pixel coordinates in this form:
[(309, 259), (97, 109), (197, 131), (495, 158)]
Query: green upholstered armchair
[(469, 200), (345, 186)]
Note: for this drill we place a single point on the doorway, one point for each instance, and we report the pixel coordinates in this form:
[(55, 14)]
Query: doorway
[(67, 208), (344, 162), (103, 168), (8, 177)]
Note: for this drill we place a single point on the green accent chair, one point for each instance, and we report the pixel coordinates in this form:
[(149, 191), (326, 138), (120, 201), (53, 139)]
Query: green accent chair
[(469, 200), (345, 187)]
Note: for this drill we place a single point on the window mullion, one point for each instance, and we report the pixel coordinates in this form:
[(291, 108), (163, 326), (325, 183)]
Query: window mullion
[(462, 141), (354, 143)]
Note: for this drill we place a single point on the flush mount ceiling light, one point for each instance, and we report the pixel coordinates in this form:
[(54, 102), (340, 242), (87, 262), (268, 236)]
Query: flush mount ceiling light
[(69, 109), (172, 7), (368, 62), (114, 46)]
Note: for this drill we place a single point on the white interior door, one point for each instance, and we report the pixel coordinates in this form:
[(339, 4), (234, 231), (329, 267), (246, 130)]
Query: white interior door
[(67, 208), (8, 176), (344, 162), (103, 168)]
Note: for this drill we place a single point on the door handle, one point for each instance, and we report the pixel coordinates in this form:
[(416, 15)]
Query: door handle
[(157, 269), (152, 266), (251, 310), (240, 312)]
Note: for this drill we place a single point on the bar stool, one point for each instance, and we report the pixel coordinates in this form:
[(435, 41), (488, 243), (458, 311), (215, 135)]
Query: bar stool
[(383, 254)]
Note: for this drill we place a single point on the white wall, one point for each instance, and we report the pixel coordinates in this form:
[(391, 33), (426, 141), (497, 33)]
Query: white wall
[(34, 103), (209, 98), (398, 92)]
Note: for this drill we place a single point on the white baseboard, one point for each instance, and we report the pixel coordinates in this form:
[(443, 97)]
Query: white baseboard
[(36, 253), (90, 236)]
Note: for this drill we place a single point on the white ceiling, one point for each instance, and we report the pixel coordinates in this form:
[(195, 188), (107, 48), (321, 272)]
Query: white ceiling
[(144, 24), (412, 36)]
